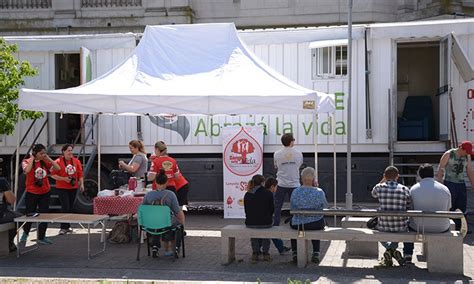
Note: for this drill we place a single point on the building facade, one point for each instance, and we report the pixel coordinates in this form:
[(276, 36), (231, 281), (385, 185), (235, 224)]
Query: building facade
[(34, 17)]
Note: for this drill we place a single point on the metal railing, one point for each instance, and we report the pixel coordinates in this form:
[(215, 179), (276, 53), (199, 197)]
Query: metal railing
[(110, 3), (25, 4), (12, 158)]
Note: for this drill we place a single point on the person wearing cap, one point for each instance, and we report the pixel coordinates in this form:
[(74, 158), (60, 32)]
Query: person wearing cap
[(163, 161), (452, 166)]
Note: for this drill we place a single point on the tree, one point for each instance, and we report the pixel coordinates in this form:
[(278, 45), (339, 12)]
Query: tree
[(12, 74)]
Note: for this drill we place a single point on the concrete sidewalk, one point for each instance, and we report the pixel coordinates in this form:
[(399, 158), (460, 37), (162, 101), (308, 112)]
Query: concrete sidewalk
[(67, 258)]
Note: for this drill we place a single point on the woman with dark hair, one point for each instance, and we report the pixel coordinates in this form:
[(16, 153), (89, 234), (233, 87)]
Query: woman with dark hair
[(258, 205), (162, 196), (138, 164), (36, 168), (68, 178)]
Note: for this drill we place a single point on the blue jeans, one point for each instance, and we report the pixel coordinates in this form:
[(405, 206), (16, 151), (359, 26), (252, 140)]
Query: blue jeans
[(407, 247), (458, 198), (278, 199), (259, 245), (313, 226)]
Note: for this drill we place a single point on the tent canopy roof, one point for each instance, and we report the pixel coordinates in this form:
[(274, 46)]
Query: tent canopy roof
[(185, 69)]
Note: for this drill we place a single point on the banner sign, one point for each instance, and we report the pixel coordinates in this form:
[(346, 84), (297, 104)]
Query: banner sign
[(243, 158)]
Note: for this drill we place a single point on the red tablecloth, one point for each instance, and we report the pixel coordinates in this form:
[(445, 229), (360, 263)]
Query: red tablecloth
[(116, 205)]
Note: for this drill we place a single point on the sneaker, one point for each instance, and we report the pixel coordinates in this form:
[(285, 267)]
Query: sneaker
[(176, 252), (44, 241), (398, 257), (315, 257), (254, 258), (267, 257), (154, 252), (63, 231), (284, 250), (387, 258), (408, 258), (24, 237), (294, 257)]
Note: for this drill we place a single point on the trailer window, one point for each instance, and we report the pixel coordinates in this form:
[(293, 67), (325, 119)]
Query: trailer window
[(329, 62)]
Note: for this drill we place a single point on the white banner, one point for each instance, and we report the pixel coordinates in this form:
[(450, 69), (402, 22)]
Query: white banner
[(243, 158)]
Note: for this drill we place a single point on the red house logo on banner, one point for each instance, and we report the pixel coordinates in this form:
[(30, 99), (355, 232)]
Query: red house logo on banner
[(243, 155)]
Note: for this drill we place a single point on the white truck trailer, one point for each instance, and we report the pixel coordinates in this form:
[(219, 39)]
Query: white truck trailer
[(412, 99)]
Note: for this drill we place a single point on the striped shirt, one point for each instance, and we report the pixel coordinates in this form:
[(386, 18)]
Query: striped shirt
[(392, 196)]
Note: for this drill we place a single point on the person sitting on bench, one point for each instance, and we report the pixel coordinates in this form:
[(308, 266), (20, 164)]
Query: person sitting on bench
[(308, 197)]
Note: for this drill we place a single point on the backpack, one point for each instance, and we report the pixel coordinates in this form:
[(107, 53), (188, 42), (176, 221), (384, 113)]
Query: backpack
[(120, 233)]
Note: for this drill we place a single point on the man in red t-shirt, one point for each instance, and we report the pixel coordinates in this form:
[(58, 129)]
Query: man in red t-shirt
[(36, 169), (163, 161), (68, 179)]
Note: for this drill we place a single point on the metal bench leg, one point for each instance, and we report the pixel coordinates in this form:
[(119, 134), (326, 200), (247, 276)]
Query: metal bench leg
[(228, 250)]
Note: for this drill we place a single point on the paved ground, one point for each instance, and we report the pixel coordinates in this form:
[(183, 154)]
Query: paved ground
[(67, 258)]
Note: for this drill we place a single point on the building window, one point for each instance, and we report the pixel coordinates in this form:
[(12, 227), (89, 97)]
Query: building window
[(329, 62)]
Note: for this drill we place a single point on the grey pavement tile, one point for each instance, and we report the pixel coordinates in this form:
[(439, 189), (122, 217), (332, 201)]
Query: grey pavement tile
[(67, 258)]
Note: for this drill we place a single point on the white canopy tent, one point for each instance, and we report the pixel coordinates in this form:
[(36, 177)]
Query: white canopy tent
[(185, 69)]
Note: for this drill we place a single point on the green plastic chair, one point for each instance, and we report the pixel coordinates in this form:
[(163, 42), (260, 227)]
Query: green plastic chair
[(156, 220)]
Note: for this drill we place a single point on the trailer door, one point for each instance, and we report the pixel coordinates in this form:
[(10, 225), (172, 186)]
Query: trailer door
[(444, 87), (86, 76)]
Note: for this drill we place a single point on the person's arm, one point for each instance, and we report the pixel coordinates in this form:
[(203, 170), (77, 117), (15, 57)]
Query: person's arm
[(375, 191), (9, 197), (470, 175), (80, 175), (54, 165), (176, 170), (408, 196), (58, 177), (129, 168), (28, 164), (272, 203), (442, 166), (275, 162), (325, 201), (151, 175), (180, 217)]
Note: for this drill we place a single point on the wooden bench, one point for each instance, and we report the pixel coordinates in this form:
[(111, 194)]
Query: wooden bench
[(4, 243), (446, 249)]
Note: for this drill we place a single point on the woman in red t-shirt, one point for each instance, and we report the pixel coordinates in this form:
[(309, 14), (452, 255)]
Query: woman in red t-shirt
[(68, 178), (36, 169), (163, 161)]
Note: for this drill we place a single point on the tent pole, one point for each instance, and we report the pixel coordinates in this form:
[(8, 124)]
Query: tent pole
[(17, 158), (98, 153), (315, 137), (333, 130), (349, 105)]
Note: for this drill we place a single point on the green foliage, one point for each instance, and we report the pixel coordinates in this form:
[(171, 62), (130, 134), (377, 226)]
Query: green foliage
[(295, 281), (12, 73)]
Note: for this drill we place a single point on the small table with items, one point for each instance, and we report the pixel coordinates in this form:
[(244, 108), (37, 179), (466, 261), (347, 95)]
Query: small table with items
[(117, 205), (81, 219)]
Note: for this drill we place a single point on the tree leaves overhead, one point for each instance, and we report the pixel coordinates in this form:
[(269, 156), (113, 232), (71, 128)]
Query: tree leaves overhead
[(12, 74)]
